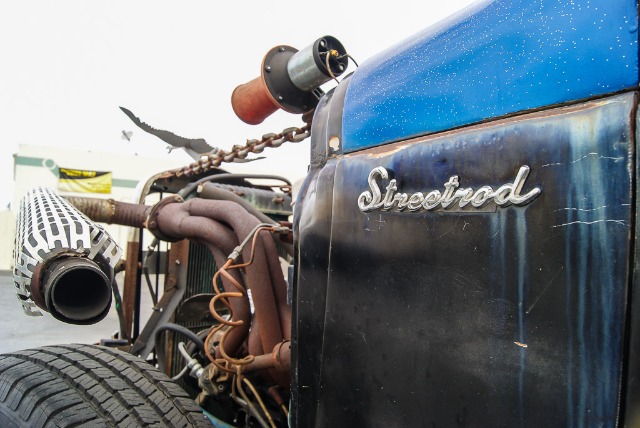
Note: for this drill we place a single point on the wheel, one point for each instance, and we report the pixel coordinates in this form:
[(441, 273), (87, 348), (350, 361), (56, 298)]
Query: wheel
[(89, 386)]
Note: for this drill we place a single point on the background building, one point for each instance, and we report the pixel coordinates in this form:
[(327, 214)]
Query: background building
[(40, 166)]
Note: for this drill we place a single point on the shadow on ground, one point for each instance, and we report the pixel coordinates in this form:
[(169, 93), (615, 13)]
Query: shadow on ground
[(20, 331)]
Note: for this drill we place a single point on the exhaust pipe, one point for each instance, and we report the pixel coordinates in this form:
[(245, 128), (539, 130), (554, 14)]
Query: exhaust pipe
[(75, 290), (63, 261)]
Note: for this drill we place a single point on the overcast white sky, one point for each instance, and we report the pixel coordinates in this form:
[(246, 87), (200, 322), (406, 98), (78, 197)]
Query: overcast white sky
[(67, 65)]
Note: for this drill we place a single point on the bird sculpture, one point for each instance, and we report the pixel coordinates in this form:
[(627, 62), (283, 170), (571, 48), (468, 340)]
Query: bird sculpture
[(195, 147)]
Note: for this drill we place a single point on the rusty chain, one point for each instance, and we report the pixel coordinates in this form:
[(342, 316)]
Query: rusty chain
[(213, 160)]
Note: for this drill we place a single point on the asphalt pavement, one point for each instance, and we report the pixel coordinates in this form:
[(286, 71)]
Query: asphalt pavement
[(20, 331)]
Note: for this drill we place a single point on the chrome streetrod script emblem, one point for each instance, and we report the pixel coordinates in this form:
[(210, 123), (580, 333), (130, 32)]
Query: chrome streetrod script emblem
[(452, 198)]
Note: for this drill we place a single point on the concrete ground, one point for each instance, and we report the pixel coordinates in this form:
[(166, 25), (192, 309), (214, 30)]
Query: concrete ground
[(20, 331)]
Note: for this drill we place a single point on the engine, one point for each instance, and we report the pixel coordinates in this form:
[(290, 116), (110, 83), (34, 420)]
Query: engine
[(462, 251)]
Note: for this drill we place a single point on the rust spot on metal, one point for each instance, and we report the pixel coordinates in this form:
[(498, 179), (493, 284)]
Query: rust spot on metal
[(130, 280), (171, 282), (110, 211)]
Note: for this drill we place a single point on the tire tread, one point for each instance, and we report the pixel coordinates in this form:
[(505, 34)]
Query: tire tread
[(84, 385)]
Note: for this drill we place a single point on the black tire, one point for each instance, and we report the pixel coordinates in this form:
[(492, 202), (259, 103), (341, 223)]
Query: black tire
[(89, 386)]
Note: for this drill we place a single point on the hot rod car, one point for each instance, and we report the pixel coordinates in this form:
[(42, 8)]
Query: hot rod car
[(462, 251)]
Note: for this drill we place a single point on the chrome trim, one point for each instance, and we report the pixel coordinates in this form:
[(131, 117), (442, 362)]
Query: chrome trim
[(452, 198)]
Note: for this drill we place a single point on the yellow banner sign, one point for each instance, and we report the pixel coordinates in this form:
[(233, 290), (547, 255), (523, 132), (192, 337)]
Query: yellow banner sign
[(84, 181)]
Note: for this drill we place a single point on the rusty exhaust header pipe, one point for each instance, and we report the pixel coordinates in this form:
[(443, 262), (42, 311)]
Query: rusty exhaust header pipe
[(290, 80), (63, 261), (220, 225), (110, 211)]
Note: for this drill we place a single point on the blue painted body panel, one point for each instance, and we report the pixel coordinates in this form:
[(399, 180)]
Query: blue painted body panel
[(509, 318), (493, 59)]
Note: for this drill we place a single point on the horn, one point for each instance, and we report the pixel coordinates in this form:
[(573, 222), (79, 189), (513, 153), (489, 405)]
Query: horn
[(290, 80)]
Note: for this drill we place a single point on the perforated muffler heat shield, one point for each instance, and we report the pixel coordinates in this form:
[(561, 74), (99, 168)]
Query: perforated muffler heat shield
[(49, 226)]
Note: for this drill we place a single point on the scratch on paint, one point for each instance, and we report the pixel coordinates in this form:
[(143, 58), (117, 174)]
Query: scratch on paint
[(522, 345), (584, 157), (447, 232), (587, 210), (450, 229), (599, 157), (620, 222), (544, 291), (581, 209)]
